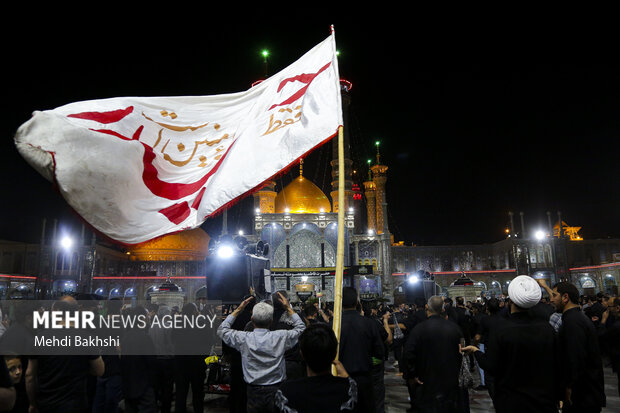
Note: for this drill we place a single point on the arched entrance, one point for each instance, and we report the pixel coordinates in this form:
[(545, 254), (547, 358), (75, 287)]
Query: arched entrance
[(588, 286), (610, 285)]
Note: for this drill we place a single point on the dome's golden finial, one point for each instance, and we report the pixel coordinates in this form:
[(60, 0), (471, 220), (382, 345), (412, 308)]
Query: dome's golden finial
[(301, 167)]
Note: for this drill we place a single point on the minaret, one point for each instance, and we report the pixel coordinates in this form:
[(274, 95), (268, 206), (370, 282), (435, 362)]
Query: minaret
[(371, 202), (379, 179), (348, 163), (264, 199)]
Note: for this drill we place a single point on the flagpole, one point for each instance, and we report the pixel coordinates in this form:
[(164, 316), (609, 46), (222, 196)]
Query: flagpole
[(340, 241)]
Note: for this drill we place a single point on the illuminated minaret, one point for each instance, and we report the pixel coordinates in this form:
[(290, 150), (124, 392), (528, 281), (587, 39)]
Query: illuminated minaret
[(379, 177), (345, 86), (264, 199), (371, 204)]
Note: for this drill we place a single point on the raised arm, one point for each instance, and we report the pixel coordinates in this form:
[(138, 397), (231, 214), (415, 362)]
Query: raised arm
[(230, 337), (298, 324)]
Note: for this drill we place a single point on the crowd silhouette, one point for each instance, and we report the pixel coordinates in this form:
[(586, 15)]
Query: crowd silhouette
[(541, 348)]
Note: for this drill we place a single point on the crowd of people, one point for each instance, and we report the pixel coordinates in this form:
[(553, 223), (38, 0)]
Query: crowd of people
[(540, 349), (153, 374)]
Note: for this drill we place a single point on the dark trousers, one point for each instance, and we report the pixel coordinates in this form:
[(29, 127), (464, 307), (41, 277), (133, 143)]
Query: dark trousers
[(189, 374), (163, 383), (365, 393), (490, 383), (146, 403), (464, 401), (108, 394), (397, 347), (573, 409), (378, 384), (261, 398), (237, 400)]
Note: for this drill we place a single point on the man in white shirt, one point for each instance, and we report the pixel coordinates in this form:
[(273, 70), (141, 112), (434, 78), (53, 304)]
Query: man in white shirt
[(262, 351)]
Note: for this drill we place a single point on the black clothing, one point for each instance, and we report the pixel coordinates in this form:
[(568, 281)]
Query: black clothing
[(451, 313), (237, 399), (414, 319), (261, 399), (488, 325), (516, 351), (323, 394), (360, 341), (295, 366), (377, 376), (432, 355), (163, 382), (62, 382), (21, 398), (541, 311), (365, 392), (477, 322), (136, 370), (597, 309), (189, 371), (146, 403), (611, 338), (464, 320), (581, 361)]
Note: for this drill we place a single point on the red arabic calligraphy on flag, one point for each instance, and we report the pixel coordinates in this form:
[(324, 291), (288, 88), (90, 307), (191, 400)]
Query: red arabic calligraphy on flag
[(136, 168)]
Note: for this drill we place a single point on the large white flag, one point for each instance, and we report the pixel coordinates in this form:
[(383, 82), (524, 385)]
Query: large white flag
[(136, 168)]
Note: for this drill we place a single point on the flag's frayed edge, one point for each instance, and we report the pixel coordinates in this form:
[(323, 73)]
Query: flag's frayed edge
[(214, 213)]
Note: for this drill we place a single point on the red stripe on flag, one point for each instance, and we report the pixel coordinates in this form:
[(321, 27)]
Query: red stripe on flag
[(104, 117), (172, 190), (176, 213), (303, 78), (196, 202)]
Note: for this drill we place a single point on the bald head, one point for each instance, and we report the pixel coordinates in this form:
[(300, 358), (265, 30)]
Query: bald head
[(435, 305)]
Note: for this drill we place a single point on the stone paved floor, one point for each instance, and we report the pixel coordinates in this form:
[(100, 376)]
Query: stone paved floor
[(396, 399)]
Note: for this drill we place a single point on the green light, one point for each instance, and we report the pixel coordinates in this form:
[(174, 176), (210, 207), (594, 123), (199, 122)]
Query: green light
[(265, 53), (377, 143), (369, 161)]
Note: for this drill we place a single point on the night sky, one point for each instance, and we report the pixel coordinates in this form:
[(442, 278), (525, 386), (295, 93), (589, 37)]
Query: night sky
[(468, 132)]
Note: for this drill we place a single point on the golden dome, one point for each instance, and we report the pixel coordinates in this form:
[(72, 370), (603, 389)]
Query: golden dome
[(188, 245), (301, 196)]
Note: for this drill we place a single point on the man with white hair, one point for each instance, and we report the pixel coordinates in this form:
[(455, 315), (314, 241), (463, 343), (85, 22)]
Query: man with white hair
[(262, 351), (522, 355)]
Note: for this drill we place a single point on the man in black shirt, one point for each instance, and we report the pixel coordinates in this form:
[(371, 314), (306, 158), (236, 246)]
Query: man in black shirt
[(58, 383), (359, 343), (611, 335), (517, 349), (378, 365), (582, 367), (419, 315), (433, 361), (319, 391), (487, 326)]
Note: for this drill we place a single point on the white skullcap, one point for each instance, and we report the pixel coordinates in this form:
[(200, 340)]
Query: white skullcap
[(524, 291)]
